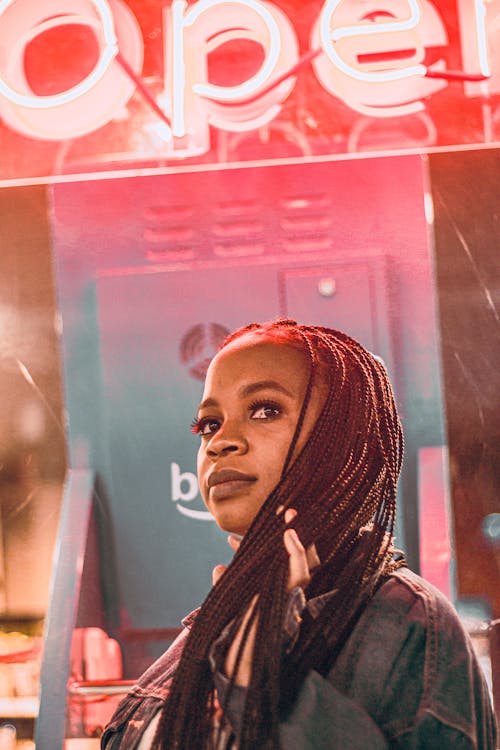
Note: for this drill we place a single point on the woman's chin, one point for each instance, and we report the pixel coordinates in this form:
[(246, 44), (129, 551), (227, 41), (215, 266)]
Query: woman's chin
[(230, 524)]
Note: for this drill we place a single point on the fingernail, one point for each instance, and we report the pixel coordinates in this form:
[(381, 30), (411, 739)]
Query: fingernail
[(217, 573), (292, 534)]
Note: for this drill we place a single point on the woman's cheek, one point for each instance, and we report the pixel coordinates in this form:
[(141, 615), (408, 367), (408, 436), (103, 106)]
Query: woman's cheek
[(201, 468)]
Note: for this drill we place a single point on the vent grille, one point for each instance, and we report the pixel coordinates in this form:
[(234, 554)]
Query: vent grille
[(295, 224), (238, 229), (306, 223), (237, 208), (170, 233)]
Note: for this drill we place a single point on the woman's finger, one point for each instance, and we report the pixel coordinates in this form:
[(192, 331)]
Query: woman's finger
[(234, 542), (217, 573), (312, 557), (299, 574)]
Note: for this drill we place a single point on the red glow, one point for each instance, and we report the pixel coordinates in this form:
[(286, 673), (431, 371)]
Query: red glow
[(234, 62), (433, 492), (208, 102), (60, 58)]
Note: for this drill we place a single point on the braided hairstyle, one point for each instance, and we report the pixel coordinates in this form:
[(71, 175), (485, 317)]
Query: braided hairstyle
[(343, 487)]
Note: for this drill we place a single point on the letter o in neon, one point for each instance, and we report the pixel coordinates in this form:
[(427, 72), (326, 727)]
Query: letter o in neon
[(96, 99)]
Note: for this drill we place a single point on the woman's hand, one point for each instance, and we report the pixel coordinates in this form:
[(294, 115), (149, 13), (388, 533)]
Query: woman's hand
[(301, 563)]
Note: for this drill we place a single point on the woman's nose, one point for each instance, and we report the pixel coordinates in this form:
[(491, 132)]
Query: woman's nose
[(226, 441)]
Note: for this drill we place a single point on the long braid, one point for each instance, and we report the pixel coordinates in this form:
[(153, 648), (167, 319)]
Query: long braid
[(343, 486)]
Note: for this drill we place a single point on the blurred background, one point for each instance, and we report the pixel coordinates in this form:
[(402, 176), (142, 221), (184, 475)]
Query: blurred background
[(171, 171)]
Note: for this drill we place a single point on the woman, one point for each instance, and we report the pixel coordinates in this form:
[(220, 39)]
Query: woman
[(316, 635)]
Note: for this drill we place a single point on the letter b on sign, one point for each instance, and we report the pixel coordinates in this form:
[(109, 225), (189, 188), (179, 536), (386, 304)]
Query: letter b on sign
[(183, 483)]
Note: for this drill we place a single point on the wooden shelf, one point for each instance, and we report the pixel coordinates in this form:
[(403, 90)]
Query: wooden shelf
[(19, 707)]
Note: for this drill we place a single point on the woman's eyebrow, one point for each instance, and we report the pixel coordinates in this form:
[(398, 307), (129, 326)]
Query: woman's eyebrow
[(261, 385), (249, 390), (208, 402)]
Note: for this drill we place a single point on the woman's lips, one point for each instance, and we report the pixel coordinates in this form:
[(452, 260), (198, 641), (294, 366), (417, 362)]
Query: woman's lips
[(226, 482)]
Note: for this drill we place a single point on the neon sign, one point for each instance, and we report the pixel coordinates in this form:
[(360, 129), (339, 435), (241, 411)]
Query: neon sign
[(370, 57)]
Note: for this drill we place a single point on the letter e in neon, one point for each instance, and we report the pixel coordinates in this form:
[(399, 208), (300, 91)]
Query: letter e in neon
[(373, 59)]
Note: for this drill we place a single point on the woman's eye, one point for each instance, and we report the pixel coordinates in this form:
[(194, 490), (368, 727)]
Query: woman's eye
[(265, 411), (209, 426), (206, 426)]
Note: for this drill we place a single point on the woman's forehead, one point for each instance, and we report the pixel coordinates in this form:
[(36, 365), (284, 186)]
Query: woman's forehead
[(249, 357)]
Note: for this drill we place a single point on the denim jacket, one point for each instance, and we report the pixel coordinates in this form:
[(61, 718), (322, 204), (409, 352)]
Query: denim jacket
[(406, 679)]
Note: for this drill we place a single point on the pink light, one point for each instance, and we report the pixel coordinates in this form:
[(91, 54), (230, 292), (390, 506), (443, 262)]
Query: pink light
[(376, 67), (328, 37), (107, 55), (232, 93), (482, 41), (99, 97), (434, 521), (179, 72), (191, 33), (482, 21)]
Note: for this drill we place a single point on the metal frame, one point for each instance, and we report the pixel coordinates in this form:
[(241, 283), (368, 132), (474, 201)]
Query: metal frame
[(61, 617)]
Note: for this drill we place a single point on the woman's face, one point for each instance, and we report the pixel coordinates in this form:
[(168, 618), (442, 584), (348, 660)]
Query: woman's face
[(253, 395)]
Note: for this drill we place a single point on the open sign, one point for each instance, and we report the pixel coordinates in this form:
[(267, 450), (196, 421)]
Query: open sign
[(372, 56)]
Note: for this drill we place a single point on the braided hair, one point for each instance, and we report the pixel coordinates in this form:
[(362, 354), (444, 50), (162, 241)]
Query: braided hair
[(343, 486)]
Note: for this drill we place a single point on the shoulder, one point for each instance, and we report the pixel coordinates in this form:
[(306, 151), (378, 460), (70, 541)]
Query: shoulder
[(387, 642), (409, 655), (406, 607), (406, 598), (154, 682), (406, 586), (138, 708), (407, 601), (406, 613)]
